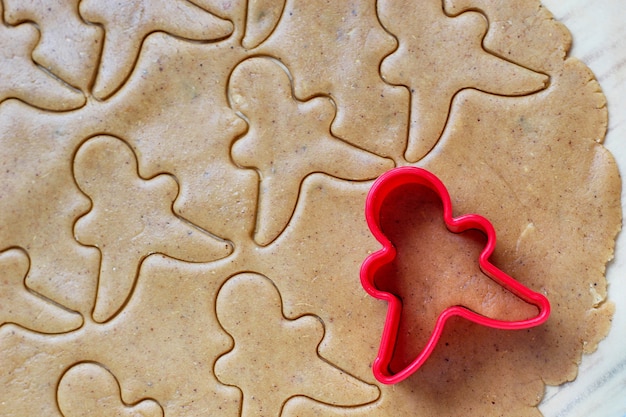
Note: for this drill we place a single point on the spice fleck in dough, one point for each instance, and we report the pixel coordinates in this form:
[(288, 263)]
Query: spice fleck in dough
[(182, 204)]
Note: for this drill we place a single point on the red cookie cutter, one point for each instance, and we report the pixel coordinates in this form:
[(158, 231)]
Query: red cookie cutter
[(376, 198)]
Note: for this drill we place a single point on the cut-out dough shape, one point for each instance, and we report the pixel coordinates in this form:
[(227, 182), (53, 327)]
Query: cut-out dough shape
[(162, 346), (128, 23), (261, 19), (288, 139), (131, 218), (90, 390), (22, 307), (43, 203), (334, 48), (444, 56), (186, 128), (21, 78), (275, 359), (545, 46), (69, 48)]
